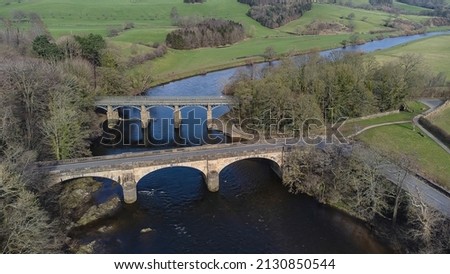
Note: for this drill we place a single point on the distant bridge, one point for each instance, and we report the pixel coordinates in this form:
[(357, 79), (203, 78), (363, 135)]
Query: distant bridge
[(151, 101), (111, 105)]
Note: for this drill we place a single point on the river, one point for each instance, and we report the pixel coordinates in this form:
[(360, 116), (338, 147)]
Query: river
[(252, 213)]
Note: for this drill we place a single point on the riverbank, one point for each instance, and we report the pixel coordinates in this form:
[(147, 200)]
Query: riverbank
[(193, 62), (358, 183)]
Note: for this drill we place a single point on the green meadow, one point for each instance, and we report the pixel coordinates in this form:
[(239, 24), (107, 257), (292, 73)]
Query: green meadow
[(435, 52), (403, 139), (396, 4), (152, 23), (364, 20), (442, 119), (354, 125), (429, 158)]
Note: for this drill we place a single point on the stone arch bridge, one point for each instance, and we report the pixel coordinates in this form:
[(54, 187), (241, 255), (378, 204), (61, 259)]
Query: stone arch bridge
[(128, 169), (143, 104)]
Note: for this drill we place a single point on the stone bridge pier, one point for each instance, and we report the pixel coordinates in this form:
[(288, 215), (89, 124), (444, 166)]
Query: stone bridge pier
[(144, 103), (129, 185)]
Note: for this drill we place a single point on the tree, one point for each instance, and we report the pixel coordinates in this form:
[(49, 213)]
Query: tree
[(65, 130), (354, 39), (429, 228), (37, 27), (389, 87), (24, 226), (207, 33), (174, 16), (381, 2), (19, 16), (412, 72), (23, 88), (91, 47), (275, 13), (269, 53), (69, 47), (46, 49)]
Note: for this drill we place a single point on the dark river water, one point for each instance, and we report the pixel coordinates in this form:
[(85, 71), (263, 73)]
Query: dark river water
[(252, 213)]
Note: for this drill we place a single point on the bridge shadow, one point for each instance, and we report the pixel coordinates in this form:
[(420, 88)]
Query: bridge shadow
[(248, 176), (172, 187)]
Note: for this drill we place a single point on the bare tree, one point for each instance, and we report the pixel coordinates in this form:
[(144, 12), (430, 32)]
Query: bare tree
[(70, 47), (428, 227), (63, 130), (269, 53), (24, 226), (404, 165), (25, 83)]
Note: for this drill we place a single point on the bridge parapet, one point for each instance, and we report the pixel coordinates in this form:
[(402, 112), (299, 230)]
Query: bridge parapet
[(210, 161), (150, 101)]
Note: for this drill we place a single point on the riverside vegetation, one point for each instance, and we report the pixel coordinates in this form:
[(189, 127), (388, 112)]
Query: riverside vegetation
[(47, 86), (351, 85), (345, 181)]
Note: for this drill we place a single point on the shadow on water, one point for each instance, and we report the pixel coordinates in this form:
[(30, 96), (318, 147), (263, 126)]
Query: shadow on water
[(252, 213)]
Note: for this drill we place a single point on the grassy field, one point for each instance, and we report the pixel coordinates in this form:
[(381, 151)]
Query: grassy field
[(354, 125), (409, 8), (151, 17), (435, 51), (401, 6), (184, 63), (432, 161), (442, 119), (152, 23), (364, 20)]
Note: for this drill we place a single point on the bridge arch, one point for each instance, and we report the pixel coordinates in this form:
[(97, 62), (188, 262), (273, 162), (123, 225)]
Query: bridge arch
[(140, 173), (275, 164), (177, 185), (273, 158), (148, 108), (193, 106), (234, 179)]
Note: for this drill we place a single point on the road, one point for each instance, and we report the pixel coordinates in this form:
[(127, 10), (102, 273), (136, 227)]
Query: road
[(417, 187), (411, 183), (375, 126), (432, 103)]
